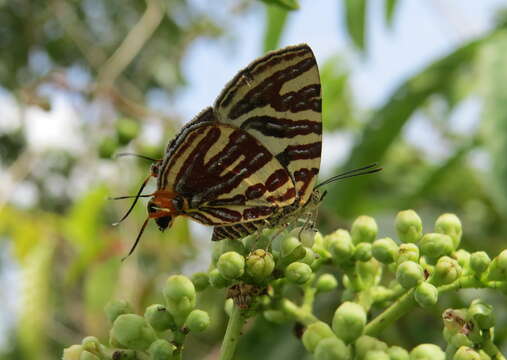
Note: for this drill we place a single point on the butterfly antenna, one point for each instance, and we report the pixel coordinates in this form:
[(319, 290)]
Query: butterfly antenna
[(137, 239), (129, 197), (365, 170), (136, 155), (135, 201)]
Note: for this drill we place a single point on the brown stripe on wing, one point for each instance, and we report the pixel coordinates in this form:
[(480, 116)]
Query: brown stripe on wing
[(237, 231), (300, 152), (281, 128)]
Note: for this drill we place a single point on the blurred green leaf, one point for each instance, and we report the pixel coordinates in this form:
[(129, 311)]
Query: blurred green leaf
[(390, 8), (386, 123), (494, 117), (355, 17), (276, 18), (337, 101), (100, 284), (286, 4)]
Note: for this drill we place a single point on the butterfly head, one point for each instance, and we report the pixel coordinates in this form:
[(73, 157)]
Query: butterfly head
[(163, 207)]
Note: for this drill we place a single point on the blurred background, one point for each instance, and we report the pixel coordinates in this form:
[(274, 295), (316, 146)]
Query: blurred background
[(419, 86)]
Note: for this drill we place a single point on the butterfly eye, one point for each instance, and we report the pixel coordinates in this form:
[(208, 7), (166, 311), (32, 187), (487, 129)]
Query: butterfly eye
[(164, 222), (151, 207)]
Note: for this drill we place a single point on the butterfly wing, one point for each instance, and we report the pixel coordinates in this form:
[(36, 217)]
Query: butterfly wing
[(225, 174), (277, 100)]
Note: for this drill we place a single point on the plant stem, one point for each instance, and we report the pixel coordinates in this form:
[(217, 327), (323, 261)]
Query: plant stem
[(232, 334)]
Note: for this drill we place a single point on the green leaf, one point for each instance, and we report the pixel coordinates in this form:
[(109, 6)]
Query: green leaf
[(355, 16), (100, 283), (386, 123), (285, 4), (494, 117), (390, 7), (276, 18)]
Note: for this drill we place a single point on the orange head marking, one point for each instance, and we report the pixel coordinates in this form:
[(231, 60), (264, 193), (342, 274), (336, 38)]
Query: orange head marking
[(163, 206)]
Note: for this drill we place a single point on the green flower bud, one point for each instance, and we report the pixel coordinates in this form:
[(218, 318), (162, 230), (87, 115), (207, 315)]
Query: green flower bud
[(427, 352), (217, 280), (229, 306), (132, 332), (275, 316), (426, 294), (434, 245), (298, 273), (340, 246), (73, 352), (364, 229), (446, 271), (482, 314), (231, 265), (221, 247), (115, 308), (376, 355), (315, 333), (363, 251), (260, 264), (307, 237), (309, 257), (409, 274), (348, 321), (408, 226), (159, 318), (126, 130), (319, 246), (462, 257), (459, 339), (161, 350), (197, 321), (498, 267), (179, 294), (408, 252), (397, 353), (466, 353), (107, 147), (200, 281), (449, 224), (91, 344), (385, 250), (326, 282), (367, 343), (86, 355), (288, 245), (370, 272), (332, 349), (479, 262)]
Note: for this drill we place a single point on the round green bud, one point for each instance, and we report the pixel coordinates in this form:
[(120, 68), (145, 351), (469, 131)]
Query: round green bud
[(449, 224), (179, 294), (364, 229), (459, 339), (73, 352), (288, 245), (385, 250), (307, 237), (231, 265), (115, 308), (462, 257), (161, 350), (446, 271), (332, 349), (498, 267), (408, 252), (369, 271), (200, 281), (479, 262), (197, 321), (91, 344), (397, 353), (466, 353), (482, 314), (363, 251), (298, 272), (217, 280), (339, 244), (126, 130), (131, 331), (427, 352), (275, 316), (408, 226), (159, 318), (107, 147), (260, 264), (376, 355), (315, 333), (309, 257), (409, 274), (326, 282), (223, 246), (348, 321), (86, 355), (434, 245), (426, 294), (367, 343)]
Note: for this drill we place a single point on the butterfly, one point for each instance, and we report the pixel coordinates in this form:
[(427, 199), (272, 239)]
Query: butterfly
[(251, 160)]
